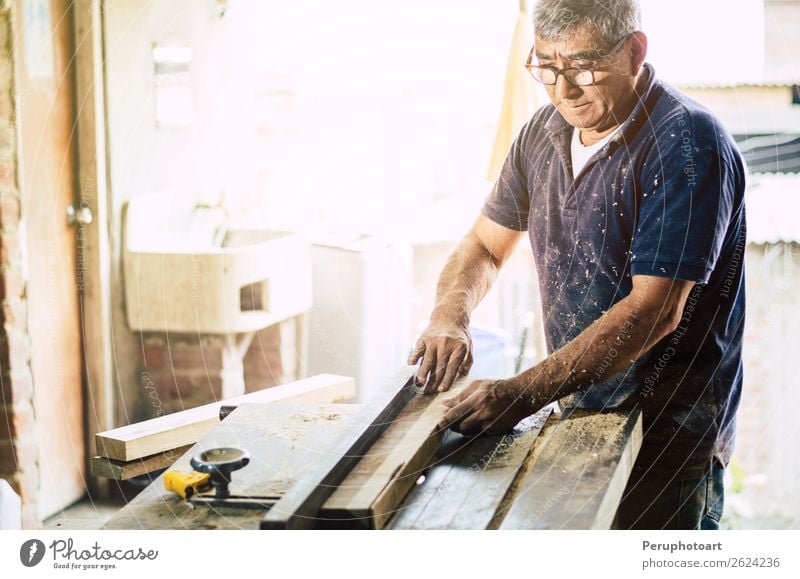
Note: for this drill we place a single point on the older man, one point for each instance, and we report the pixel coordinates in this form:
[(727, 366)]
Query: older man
[(632, 197)]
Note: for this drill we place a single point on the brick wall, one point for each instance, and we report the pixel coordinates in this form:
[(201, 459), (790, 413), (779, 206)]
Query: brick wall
[(263, 366), (18, 450), (180, 371)]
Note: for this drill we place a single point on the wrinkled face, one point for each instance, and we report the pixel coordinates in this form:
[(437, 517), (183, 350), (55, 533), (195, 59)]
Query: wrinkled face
[(597, 107)]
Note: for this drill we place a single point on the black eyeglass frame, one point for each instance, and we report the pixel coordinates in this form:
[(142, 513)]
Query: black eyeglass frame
[(568, 73)]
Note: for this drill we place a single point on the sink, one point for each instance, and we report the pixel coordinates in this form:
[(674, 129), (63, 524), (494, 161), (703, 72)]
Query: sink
[(186, 271)]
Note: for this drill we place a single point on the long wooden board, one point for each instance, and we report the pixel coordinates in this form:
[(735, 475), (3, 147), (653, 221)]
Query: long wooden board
[(580, 475), (118, 470), (300, 506), (187, 427), (470, 479), (370, 494)]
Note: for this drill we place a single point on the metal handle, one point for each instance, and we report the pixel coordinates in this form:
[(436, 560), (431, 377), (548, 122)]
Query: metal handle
[(220, 463), (79, 215)]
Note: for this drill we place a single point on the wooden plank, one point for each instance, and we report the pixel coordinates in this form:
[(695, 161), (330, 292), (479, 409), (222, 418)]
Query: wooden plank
[(513, 490), (300, 507), (378, 483), (470, 478), (94, 251), (118, 470), (273, 434), (181, 428), (580, 475)]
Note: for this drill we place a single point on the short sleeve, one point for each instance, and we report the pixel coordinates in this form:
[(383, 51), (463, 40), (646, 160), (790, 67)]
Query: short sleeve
[(685, 202), (508, 203)]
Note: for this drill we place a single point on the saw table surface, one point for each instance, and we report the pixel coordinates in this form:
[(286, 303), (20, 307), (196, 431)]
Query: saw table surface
[(553, 471)]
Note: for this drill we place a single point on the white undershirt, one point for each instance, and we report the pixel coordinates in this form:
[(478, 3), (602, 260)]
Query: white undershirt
[(582, 153)]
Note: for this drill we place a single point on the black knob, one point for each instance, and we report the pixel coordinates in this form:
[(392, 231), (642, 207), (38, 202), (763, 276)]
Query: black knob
[(220, 463)]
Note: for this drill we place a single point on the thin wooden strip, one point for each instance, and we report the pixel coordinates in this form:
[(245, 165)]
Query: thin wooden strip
[(187, 427), (385, 505), (462, 457), (429, 491), (300, 507), (508, 500), (489, 483), (376, 485), (580, 474), (471, 477), (118, 470)]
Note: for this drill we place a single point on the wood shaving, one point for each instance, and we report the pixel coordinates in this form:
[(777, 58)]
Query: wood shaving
[(314, 416)]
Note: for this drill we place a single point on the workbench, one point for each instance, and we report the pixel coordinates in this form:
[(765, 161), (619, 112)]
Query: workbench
[(554, 471)]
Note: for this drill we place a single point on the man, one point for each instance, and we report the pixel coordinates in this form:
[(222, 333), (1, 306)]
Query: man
[(632, 198)]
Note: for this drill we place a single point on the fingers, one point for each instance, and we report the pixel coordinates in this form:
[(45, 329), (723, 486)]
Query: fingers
[(453, 400), (466, 366), (416, 353), (456, 414), (474, 423), (436, 376), (471, 388), (462, 405), (440, 366), (465, 393), (483, 407), (452, 370), (428, 363), (444, 354)]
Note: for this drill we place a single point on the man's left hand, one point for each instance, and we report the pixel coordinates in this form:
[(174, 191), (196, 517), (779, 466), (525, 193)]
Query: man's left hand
[(488, 407)]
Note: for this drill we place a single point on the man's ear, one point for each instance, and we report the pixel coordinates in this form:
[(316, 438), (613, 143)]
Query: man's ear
[(638, 51)]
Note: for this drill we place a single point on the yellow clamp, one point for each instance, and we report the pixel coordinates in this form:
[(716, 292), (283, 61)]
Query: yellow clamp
[(186, 484)]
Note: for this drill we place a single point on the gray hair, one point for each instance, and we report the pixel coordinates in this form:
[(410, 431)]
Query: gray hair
[(612, 19)]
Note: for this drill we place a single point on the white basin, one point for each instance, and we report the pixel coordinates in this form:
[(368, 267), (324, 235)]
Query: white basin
[(186, 272)]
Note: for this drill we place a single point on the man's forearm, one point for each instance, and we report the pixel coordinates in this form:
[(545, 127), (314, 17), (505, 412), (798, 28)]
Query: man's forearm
[(608, 346), (466, 278), (444, 350)]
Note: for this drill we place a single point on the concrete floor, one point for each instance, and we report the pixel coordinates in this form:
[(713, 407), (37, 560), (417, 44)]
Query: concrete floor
[(83, 515)]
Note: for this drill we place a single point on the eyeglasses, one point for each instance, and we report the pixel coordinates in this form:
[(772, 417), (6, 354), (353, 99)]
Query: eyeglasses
[(578, 76)]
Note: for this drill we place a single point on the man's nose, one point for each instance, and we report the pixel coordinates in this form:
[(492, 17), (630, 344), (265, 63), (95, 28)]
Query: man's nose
[(565, 89)]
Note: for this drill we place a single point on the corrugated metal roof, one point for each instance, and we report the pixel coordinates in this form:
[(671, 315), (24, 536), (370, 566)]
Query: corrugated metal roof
[(764, 120), (773, 207), (775, 153)]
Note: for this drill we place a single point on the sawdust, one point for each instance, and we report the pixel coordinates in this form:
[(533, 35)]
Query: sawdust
[(314, 416), (596, 438), (288, 433), (291, 433)]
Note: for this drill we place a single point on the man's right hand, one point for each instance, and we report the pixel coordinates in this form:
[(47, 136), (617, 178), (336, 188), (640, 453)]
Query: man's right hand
[(445, 347), (446, 353)]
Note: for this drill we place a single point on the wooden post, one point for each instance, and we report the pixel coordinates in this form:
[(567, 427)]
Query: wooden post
[(94, 267)]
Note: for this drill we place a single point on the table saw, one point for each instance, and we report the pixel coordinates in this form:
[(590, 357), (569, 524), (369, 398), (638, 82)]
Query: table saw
[(386, 465)]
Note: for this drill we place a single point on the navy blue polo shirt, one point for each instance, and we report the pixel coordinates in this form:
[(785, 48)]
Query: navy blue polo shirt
[(664, 197)]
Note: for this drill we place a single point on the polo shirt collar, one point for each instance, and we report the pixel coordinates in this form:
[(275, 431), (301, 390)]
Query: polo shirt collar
[(638, 117)]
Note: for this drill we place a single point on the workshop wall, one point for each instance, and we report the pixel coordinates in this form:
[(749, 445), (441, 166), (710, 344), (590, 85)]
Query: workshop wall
[(198, 153), (767, 433), (297, 123), (18, 451), (180, 371)]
